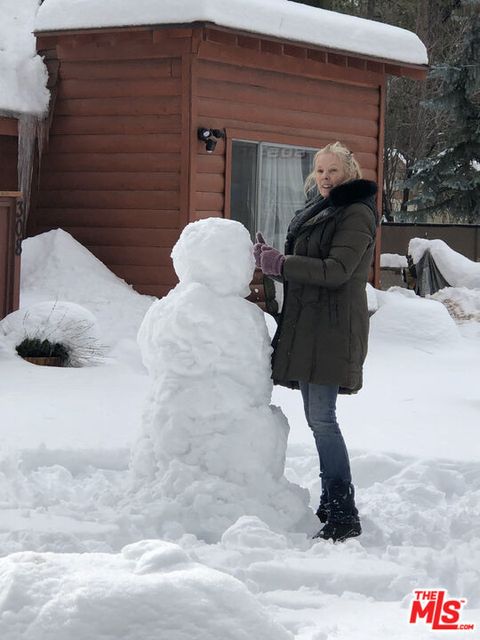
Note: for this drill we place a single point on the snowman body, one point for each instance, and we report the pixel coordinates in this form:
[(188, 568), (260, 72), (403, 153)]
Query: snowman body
[(212, 448)]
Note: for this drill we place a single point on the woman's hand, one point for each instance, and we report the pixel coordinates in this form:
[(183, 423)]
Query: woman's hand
[(257, 247), (268, 259), (271, 261)]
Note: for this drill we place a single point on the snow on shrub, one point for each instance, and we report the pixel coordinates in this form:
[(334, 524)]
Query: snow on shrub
[(55, 328)]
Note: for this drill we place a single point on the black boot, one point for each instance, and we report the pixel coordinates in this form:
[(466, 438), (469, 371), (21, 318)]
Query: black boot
[(322, 511), (342, 521)]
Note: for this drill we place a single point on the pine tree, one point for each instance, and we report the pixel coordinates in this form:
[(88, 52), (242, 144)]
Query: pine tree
[(448, 182), (352, 7)]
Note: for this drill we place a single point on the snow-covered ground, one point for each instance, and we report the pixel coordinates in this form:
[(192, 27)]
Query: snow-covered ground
[(65, 442)]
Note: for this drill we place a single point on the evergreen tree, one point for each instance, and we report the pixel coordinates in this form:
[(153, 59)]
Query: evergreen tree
[(413, 132), (343, 6), (448, 182)]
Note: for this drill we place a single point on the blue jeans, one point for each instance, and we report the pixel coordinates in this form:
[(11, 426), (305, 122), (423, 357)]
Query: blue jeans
[(319, 401)]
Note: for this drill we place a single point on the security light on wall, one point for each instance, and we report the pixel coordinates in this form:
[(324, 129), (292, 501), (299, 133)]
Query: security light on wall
[(210, 137)]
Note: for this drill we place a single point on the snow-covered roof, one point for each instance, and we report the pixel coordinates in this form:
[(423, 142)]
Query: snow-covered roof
[(279, 18), (23, 76)]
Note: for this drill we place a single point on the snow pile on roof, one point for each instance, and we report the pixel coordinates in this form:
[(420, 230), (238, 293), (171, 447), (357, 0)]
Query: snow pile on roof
[(212, 448), (23, 76), (458, 270), (57, 267), (278, 18), (151, 590)]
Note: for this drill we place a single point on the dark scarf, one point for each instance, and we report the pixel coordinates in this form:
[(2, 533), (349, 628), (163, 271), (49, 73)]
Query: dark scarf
[(340, 196)]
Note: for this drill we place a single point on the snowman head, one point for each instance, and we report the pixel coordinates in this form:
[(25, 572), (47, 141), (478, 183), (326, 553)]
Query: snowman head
[(217, 253)]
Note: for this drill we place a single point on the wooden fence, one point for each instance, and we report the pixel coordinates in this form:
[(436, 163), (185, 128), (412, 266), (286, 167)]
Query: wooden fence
[(464, 238)]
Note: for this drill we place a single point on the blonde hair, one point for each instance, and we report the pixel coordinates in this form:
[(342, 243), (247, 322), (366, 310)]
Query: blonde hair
[(350, 165)]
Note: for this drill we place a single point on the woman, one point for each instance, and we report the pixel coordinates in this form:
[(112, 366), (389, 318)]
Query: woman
[(321, 341)]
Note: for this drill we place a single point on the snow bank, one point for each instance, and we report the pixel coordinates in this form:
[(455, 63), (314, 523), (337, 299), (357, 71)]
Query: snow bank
[(408, 319), (378, 297), (278, 18), (57, 267), (458, 270), (151, 590), (212, 449), (23, 76)]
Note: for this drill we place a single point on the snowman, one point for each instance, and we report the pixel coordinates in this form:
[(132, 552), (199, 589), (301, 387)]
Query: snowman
[(211, 447)]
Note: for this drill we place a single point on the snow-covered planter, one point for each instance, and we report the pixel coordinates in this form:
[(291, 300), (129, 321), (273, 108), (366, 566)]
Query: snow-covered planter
[(43, 352), (54, 333)]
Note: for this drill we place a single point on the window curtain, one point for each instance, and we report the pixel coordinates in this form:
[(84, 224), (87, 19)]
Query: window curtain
[(280, 191)]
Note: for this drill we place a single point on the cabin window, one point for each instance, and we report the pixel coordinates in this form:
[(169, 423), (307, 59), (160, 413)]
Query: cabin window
[(267, 186)]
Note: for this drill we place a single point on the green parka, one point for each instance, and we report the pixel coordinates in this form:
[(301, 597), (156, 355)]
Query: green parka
[(323, 328)]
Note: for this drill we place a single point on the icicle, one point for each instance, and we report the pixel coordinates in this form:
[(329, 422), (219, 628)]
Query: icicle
[(27, 133), (31, 130)]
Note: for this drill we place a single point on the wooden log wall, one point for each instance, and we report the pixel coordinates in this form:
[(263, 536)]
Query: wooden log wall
[(112, 175)]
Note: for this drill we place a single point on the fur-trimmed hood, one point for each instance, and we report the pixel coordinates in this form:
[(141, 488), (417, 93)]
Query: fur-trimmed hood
[(319, 208), (352, 191)]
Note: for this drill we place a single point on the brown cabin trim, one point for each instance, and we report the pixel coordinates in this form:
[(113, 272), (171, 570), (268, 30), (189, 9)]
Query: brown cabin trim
[(8, 126), (190, 127), (261, 43), (186, 135), (227, 207), (11, 236), (178, 29), (321, 53), (302, 67)]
